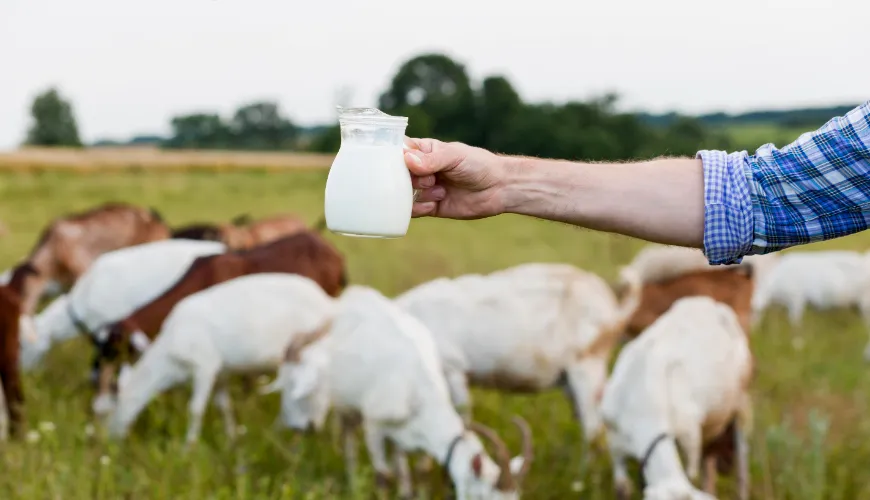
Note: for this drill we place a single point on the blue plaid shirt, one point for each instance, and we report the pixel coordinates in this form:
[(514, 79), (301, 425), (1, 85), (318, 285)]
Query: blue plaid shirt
[(816, 188)]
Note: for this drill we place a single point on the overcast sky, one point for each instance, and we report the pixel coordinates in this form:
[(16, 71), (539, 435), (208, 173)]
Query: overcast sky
[(128, 66)]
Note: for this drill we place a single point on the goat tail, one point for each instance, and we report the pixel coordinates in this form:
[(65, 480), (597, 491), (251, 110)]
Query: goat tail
[(631, 282)]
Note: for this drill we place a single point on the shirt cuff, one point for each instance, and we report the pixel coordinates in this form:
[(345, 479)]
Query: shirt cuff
[(728, 226)]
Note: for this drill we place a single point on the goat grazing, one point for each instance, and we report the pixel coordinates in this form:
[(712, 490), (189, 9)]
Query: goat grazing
[(11, 393), (825, 280), (731, 285), (70, 244), (378, 366), (685, 380), (307, 254), (526, 329), (670, 273), (241, 325), (116, 284), (261, 231)]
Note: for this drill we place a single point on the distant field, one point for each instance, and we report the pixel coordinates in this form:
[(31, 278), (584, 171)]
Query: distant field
[(811, 438), (751, 137), (152, 157)]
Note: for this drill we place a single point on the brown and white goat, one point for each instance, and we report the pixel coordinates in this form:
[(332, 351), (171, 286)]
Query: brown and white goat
[(305, 253), (70, 244), (684, 381), (12, 395)]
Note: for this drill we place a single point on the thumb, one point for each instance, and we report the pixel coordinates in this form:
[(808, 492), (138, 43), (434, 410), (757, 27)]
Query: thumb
[(422, 163)]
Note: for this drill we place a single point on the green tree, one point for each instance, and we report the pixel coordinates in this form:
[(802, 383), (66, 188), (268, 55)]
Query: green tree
[(499, 105), (53, 121), (259, 125), (436, 91), (199, 131)]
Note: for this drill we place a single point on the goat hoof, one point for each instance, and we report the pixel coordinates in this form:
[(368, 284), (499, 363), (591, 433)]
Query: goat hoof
[(383, 479)]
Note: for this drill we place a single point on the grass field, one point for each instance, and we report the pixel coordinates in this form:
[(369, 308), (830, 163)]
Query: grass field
[(750, 137), (811, 438)]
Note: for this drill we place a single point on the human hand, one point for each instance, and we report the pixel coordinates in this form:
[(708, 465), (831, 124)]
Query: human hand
[(456, 181)]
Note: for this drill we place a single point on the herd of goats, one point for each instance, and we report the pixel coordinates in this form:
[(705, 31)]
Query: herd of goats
[(163, 306)]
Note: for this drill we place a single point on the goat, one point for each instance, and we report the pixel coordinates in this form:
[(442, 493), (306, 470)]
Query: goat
[(525, 329), (243, 236), (241, 325), (379, 367), (70, 244), (96, 299), (685, 379), (824, 279), (732, 285), (305, 253), (11, 393)]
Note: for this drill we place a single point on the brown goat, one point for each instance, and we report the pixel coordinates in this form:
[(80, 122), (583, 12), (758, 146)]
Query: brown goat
[(305, 253), (10, 374), (239, 235), (70, 244), (732, 285)]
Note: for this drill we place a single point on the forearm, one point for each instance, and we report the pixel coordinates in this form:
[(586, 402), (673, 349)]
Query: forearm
[(659, 200)]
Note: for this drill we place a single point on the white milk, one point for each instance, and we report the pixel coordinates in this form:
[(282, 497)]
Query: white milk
[(368, 192)]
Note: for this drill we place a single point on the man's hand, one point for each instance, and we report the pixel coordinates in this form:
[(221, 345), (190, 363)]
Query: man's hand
[(456, 181)]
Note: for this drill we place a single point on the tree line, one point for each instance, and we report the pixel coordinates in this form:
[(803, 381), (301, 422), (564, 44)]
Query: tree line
[(440, 100)]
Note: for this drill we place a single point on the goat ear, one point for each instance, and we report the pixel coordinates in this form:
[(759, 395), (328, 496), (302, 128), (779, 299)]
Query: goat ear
[(477, 465)]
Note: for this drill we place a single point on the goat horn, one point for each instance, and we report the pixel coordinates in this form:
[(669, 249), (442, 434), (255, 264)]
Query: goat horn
[(505, 481), (302, 341), (527, 453)]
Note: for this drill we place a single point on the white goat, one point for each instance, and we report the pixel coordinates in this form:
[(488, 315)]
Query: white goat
[(379, 365), (686, 379), (527, 328), (825, 280), (656, 262), (241, 326), (115, 285)]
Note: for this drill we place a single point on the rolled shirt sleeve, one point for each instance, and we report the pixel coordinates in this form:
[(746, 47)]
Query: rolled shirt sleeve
[(816, 188)]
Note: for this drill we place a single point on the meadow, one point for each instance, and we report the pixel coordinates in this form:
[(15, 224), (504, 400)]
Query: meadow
[(750, 136), (811, 433)]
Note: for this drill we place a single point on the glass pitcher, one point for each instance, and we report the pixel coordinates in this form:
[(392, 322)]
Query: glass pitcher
[(368, 189)]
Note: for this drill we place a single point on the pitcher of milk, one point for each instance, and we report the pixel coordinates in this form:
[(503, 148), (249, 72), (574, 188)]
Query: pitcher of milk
[(368, 189)]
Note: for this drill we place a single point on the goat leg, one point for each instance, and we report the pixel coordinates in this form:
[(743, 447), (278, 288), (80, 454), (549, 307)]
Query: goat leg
[(710, 474), (348, 438), (376, 444), (742, 463)]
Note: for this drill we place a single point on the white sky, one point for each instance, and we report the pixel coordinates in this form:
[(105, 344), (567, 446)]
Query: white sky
[(128, 66)]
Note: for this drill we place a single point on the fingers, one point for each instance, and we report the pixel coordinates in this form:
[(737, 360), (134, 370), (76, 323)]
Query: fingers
[(428, 156), (424, 145), (424, 182), (436, 193), (424, 209)]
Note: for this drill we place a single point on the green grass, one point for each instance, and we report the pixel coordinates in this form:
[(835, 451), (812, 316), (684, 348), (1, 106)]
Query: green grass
[(750, 137), (811, 437)]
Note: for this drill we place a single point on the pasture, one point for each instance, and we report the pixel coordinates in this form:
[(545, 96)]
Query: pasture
[(811, 434), (751, 136)]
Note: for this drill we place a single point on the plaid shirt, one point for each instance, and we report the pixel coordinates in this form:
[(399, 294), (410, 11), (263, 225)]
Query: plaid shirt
[(816, 188)]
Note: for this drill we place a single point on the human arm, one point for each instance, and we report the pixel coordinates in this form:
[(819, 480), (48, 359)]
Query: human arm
[(730, 205), (660, 200)]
